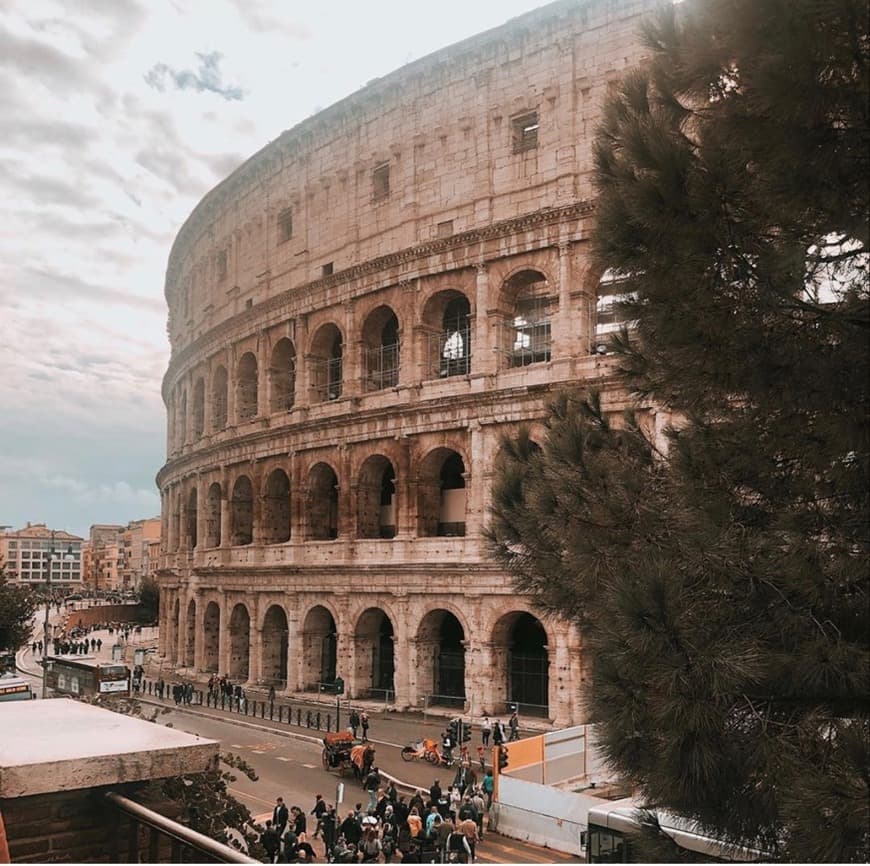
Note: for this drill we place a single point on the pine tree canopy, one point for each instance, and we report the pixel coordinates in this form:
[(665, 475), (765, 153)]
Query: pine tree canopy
[(17, 605), (720, 573)]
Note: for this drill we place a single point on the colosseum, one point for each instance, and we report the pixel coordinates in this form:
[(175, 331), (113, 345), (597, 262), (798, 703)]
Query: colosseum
[(357, 316)]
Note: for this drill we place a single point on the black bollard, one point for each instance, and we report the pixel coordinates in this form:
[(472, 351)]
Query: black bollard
[(328, 722), (272, 711), (308, 719), (299, 717), (318, 720)]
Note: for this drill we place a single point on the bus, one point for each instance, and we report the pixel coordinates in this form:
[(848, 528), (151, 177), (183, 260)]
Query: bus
[(81, 675), (612, 825), (13, 688)]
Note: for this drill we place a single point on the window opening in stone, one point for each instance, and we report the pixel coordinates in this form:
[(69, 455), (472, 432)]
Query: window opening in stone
[(191, 527), (322, 503), (199, 408), (276, 508), (381, 181), (451, 517), (610, 319), (444, 229), (375, 640), (282, 377), (376, 499), (222, 265), (319, 649), (242, 512), (246, 390), (240, 643), (285, 225), (326, 364), (276, 642), (525, 132), (213, 516), (382, 361), (455, 339), (219, 399), (326, 270), (441, 659), (529, 335)]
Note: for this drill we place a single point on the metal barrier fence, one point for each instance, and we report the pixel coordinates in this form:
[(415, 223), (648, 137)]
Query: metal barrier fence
[(185, 845)]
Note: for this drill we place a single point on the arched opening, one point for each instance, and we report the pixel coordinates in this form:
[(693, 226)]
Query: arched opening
[(441, 492), (240, 642), (610, 316), (319, 648), (374, 663), (282, 376), (199, 408), (529, 307), (376, 499), (447, 324), (219, 390), (521, 662), (242, 512), (177, 522), (276, 637), (321, 513), (190, 635), (276, 508), (211, 629), (213, 516), (441, 659), (380, 337), (327, 349), (190, 531), (246, 388)]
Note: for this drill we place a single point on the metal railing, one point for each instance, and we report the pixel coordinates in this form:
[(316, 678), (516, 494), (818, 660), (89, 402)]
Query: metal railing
[(185, 845)]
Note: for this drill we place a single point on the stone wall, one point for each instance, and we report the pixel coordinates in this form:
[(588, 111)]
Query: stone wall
[(105, 613)]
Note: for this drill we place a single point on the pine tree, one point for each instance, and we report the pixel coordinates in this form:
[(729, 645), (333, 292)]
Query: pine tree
[(17, 606), (722, 586)]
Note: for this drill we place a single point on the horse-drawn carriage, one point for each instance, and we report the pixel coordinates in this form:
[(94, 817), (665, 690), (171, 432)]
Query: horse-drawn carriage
[(341, 752), (336, 752)]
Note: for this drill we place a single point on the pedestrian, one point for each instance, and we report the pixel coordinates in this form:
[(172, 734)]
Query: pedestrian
[(317, 811), (300, 823), (271, 842), (99, 644), (485, 730), (329, 829), (353, 720), (272, 694), (280, 816), (392, 793), (33, 648), (497, 733), (514, 725), (364, 722), (371, 783)]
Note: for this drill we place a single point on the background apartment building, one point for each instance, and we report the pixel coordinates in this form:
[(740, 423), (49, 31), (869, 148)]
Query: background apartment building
[(117, 557), (34, 554)]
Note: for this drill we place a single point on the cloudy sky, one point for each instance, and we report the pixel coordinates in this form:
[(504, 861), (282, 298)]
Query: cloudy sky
[(117, 117)]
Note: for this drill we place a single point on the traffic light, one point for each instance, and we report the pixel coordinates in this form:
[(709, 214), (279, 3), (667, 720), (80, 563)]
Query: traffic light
[(339, 686), (453, 730), (502, 758), (464, 732)]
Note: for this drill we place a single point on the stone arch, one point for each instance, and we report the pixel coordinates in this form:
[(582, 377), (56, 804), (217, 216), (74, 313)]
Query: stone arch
[(321, 512), (219, 395), (374, 659), (190, 635), (381, 348), (242, 512), (441, 495), (282, 376), (199, 408), (213, 515), (240, 643), (319, 648), (521, 663), (211, 628), (275, 644), (246, 387), (190, 528), (441, 640), (276, 508), (175, 624), (376, 498), (326, 363), (446, 329), (527, 306)]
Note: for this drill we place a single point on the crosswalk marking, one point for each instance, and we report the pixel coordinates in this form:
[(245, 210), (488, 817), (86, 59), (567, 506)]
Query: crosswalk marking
[(258, 751), (281, 758), (309, 766), (236, 746)]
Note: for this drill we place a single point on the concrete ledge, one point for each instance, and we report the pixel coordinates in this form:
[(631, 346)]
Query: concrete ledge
[(64, 745)]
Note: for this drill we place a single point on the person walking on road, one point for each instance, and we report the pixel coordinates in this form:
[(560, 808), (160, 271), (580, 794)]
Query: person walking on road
[(485, 730), (364, 722), (280, 816), (271, 842), (353, 720)]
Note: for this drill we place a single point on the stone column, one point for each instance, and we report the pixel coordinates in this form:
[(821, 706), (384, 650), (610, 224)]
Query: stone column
[(481, 678), (263, 347), (226, 517), (257, 505), (232, 381), (351, 371), (181, 636), (199, 637), (255, 654), (223, 637), (401, 655), (404, 509), (483, 359), (346, 497), (474, 489), (408, 349), (294, 653), (201, 513)]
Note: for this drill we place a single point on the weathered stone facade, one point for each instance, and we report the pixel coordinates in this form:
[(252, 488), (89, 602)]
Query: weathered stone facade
[(358, 314)]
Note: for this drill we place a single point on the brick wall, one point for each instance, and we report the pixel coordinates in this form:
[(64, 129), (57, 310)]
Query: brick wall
[(105, 613)]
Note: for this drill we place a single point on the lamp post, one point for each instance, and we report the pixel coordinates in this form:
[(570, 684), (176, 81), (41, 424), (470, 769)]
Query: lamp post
[(46, 626)]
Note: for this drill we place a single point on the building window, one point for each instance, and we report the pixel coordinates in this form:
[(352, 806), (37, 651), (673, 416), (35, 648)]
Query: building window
[(525, 132), (381, 181), (610, 318), (285, 225), (222, 265), (444, 229), (326, 270)]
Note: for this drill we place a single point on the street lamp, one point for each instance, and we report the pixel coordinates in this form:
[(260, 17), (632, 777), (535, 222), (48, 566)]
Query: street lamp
[(51, 554)]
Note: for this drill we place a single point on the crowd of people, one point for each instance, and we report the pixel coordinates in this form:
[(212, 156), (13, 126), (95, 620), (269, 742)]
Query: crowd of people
[(444, 826)]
